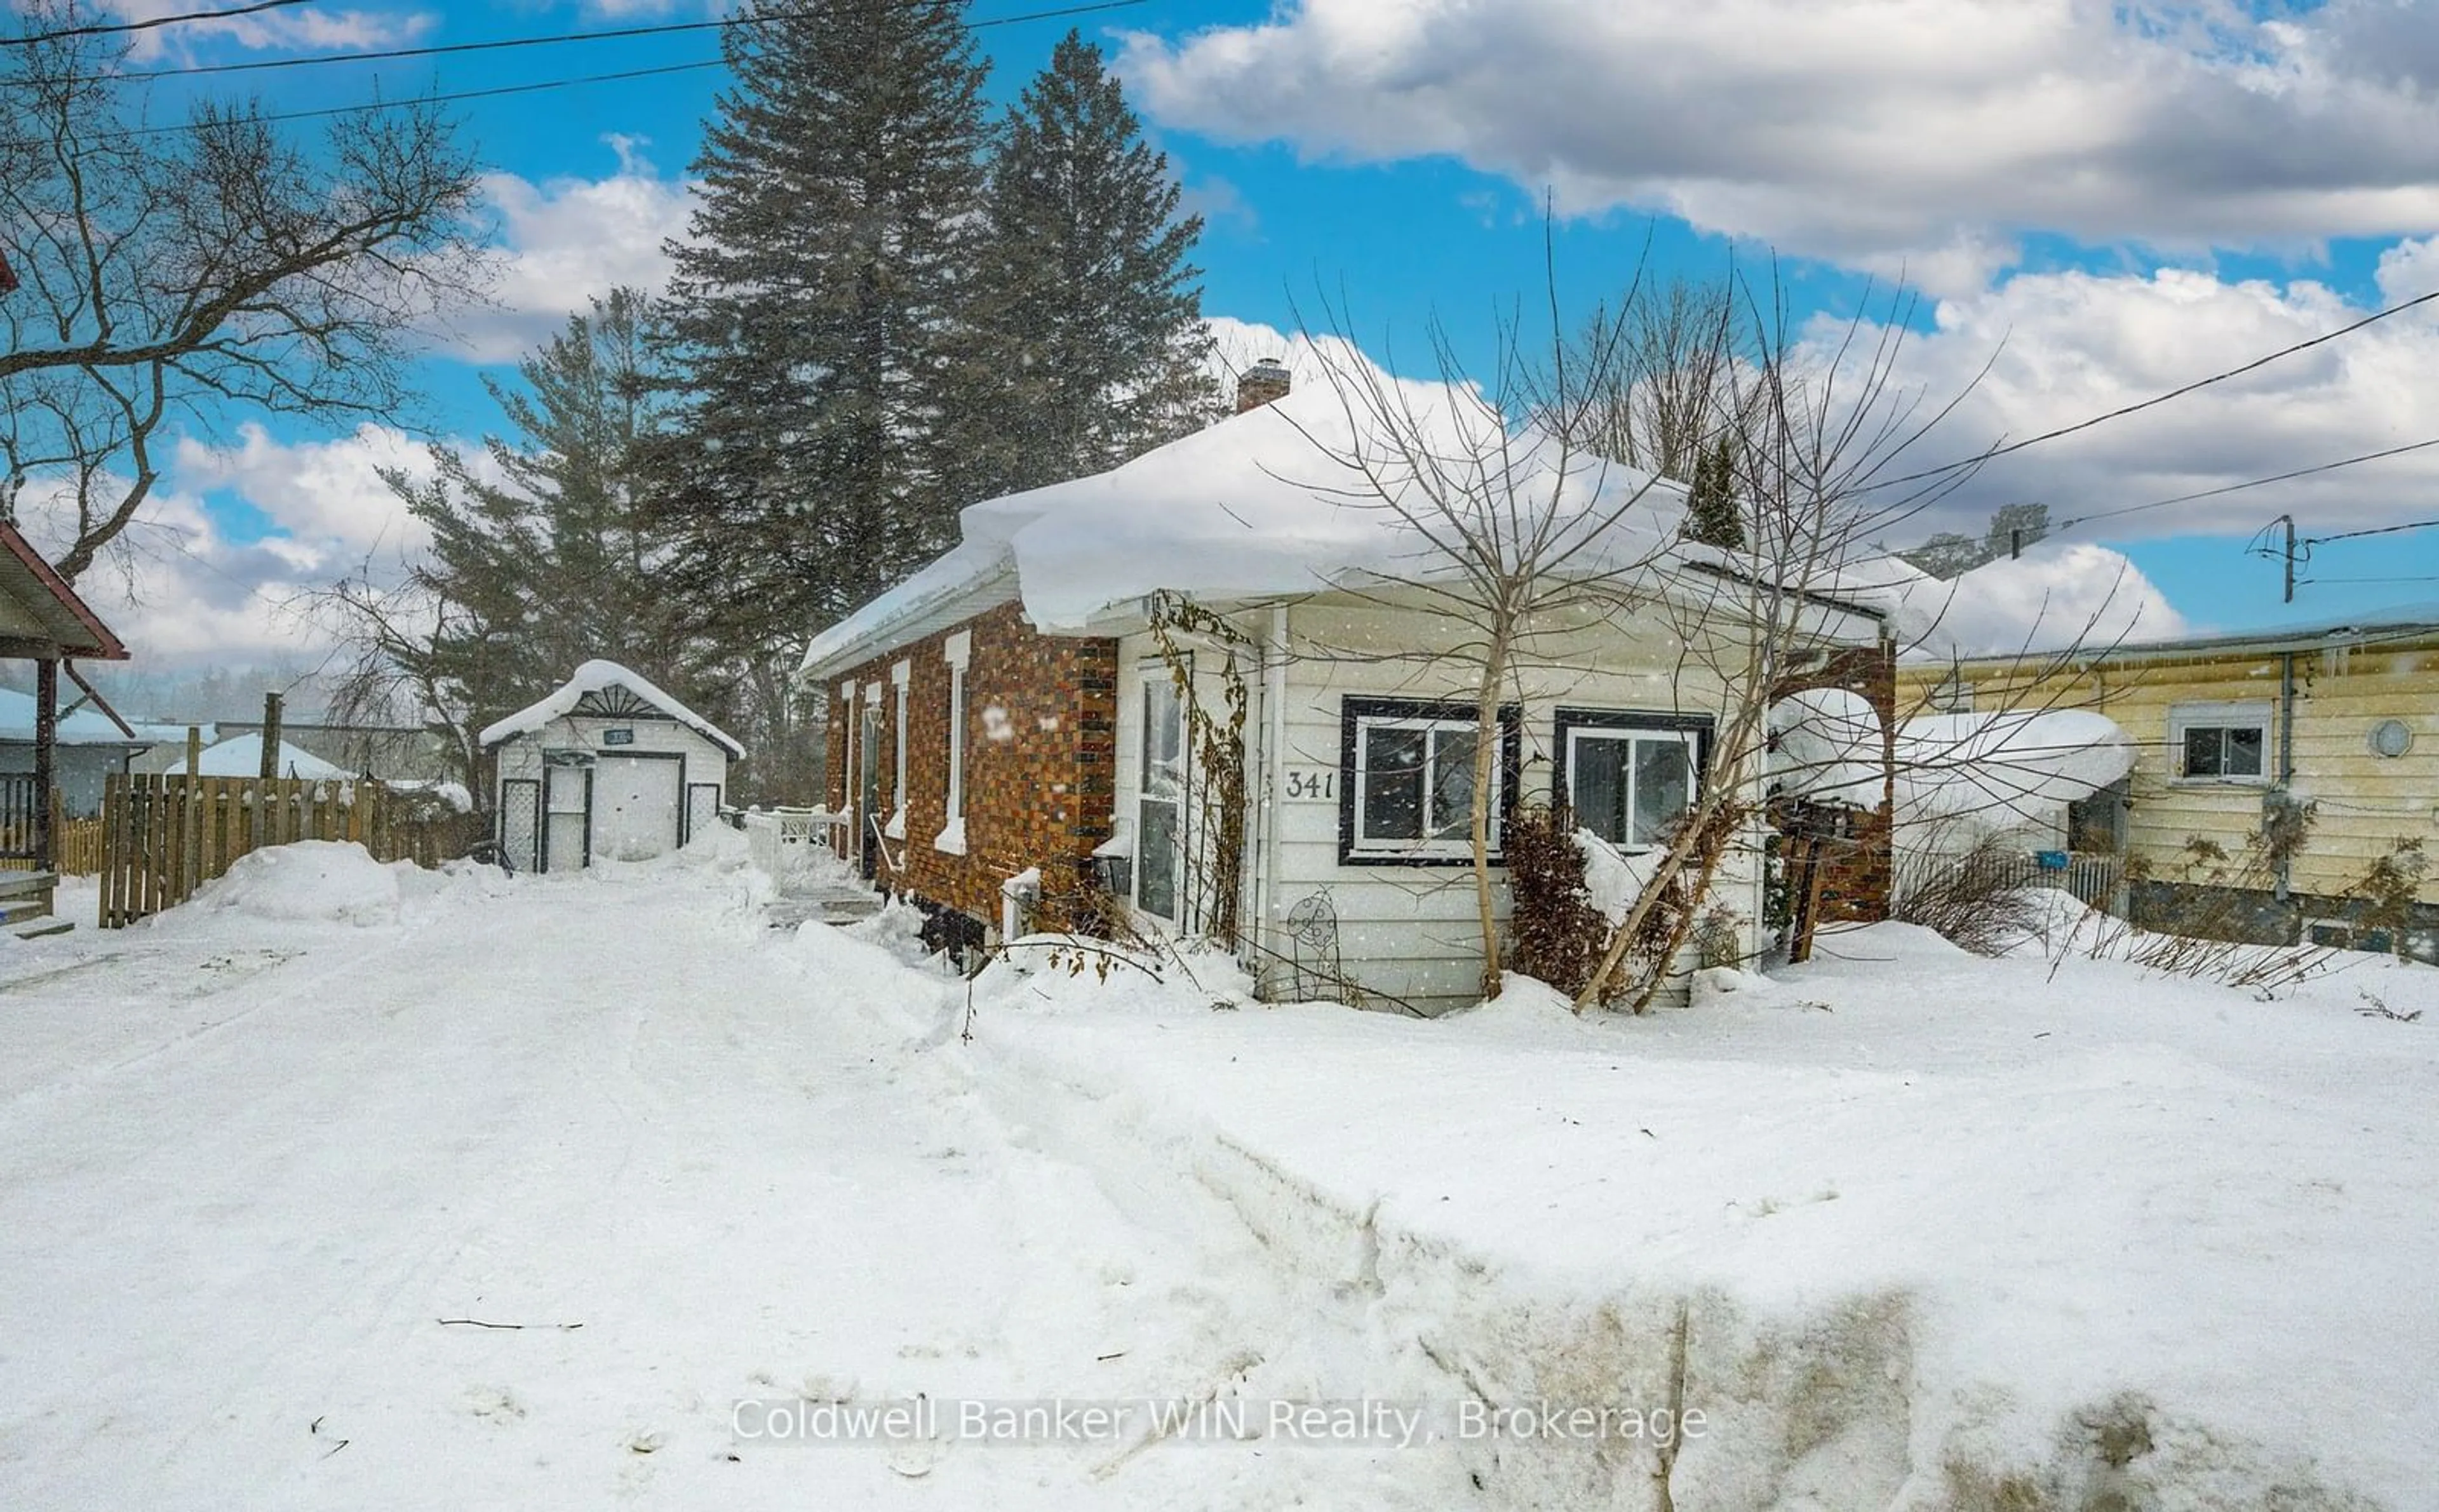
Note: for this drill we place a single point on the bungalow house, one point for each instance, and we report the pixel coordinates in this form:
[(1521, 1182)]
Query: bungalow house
[(2272, 771), (90, 745), (1209, 688)]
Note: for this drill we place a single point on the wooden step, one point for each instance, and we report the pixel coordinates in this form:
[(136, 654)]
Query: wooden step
[(18, 883), (40, 925)]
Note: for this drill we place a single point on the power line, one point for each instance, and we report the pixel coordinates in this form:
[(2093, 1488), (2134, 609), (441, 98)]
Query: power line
[(2377, 530), (2179, 392), (559, 39), (2424, 577), (538, 87), (430, 100), (118, 28), (2255, 483)]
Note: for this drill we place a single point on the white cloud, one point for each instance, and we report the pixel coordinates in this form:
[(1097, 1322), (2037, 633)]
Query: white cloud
[(318, 491), (568, 240), (182, 589), (296, 28), (2057, 595), (2071, 345), (1869, 132)]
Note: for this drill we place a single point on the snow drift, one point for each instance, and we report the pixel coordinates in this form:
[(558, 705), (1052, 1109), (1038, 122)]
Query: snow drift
[(317, 882)]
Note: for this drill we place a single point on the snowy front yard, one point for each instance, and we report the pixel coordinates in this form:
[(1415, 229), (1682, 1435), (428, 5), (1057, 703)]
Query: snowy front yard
[(1904, 1229)]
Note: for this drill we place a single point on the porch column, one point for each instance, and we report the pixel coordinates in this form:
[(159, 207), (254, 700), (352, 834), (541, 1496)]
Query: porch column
[(47, 736)]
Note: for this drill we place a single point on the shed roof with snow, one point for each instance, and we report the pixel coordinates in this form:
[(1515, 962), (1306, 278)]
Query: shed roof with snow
[(610, 691), (242, 757)]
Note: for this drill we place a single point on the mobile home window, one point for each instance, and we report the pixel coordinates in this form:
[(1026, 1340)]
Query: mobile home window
[(1408, 780), (2226, 742), (1629, 778)]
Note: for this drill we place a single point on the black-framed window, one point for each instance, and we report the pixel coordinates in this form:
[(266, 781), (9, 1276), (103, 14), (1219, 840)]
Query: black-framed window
[(1630, 774), (1406, 786)]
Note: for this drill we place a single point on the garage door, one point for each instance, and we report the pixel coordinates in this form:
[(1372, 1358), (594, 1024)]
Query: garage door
[(636, 806)]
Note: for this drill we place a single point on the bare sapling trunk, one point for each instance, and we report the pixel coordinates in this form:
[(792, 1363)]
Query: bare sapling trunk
[(1487, 745)]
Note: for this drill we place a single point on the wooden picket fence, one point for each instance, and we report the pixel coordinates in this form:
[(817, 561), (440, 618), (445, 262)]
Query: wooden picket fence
[(163, 837), (75, 846)]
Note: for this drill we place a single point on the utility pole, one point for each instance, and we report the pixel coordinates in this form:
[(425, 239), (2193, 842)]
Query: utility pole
[(2289, 520), (270, 736)]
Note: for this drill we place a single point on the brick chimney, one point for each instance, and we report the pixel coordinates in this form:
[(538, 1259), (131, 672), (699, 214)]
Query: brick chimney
[(1260, 383)]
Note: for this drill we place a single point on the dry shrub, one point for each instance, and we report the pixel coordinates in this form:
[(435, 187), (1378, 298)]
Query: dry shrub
[(1558, 934), (1977, 903)]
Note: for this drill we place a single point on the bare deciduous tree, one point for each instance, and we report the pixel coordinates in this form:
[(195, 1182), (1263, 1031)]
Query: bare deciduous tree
[(195, 271), (1514, 518)]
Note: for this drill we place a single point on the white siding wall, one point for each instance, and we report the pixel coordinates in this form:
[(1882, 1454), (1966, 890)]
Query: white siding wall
[(1411, 932), (706, 760)]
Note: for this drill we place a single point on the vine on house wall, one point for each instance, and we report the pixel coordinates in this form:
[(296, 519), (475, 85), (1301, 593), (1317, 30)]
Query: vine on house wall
[(1215, 845)]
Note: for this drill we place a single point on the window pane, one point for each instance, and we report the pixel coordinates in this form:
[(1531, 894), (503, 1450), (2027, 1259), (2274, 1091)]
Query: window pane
[(2244, 751), (1664, 788), (1156, 858), (1596, 784), (2202, 750), (1393, 784), (1452, 749), (1164, 738)]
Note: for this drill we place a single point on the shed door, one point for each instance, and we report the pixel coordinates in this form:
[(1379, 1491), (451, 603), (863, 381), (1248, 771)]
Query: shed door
[(565, 799), (636, 806)]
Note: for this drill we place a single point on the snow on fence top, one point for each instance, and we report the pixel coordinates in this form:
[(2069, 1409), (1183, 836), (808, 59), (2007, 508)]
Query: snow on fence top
[(592, 678), (240, 756)]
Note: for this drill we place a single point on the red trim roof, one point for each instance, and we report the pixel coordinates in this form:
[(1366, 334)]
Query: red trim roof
[(107, 645)]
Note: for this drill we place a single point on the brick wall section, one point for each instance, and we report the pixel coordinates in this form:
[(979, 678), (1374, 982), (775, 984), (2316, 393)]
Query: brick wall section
[(1855, 877), (1038, 795)]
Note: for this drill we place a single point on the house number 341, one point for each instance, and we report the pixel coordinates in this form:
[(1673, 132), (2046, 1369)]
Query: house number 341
[(1315, 784)]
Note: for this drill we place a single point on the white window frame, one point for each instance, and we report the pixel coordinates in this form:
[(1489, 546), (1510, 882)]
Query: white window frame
[(1149, 676), (1367, 715), (898, 677), (958, 651), (2245, 714), (1578, 734)]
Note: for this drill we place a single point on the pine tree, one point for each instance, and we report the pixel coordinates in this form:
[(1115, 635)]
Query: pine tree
[(1711, 512), (540, 558), (1089, 344), (815, 306)]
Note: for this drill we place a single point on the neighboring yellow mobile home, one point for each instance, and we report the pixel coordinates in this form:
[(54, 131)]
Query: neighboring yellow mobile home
[(2324, 735)]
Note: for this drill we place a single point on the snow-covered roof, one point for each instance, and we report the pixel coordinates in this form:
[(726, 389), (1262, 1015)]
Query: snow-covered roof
[(240, 756), (2006, 765), (1255, 507), (594, 677), (86, 726), (1996, 768), (1826, 744)]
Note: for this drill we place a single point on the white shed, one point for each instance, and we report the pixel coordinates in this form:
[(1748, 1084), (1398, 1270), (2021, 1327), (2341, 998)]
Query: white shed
[(607, 766)]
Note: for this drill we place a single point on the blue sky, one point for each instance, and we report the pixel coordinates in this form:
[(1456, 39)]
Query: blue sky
[(2111, 209)]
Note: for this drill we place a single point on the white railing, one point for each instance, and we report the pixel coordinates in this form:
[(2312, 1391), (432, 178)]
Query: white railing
[(2091, 878), (782, 841)]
